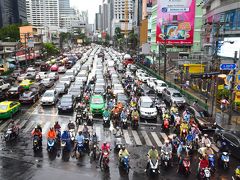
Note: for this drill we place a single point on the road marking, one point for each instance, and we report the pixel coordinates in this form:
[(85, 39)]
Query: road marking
[(164, 136), (146, 138), (64, 126), (4, 125), (214, 147), (53, 115), (98, 132), (156, 139), (23, 123), (46, 127), (127, 138), (136, 138), (30, 124)]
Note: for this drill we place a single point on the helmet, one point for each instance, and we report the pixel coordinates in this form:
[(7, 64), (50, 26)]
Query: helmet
[(208, 145), (174, 135), (104, 143), (167, 141), (153, 147), (123, 147), (79, 132), (205, 135), (85, 124)]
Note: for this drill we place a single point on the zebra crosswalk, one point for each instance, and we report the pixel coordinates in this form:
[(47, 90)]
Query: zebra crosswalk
[(130, 137)]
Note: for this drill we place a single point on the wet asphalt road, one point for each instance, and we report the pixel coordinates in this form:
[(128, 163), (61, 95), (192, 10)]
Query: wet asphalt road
[(18, 161)]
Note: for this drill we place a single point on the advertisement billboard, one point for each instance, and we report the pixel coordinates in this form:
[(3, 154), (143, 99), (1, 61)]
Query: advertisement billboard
[(228, 46), (175, 19)]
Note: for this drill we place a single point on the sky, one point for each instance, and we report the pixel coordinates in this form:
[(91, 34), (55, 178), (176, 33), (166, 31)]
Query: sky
[(91, 5)]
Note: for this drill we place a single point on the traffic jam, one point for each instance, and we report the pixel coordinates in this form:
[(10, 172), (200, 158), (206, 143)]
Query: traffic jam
[(96, 106)]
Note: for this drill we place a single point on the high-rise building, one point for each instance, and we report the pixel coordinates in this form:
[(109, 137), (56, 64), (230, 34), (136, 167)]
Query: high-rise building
[(43, 12), (119, 15), (12, 11)]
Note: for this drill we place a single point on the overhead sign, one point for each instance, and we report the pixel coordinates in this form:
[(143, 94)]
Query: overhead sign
[(228, 66)]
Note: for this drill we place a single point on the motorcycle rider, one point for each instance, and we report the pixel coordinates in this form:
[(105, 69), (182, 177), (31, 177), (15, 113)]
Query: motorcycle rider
[(203, 163), (51, 134), (186, 116), (94, 139), (57, 128), (66, 137), (111, 104), (205, 140), (174, 109), (134, 113), (78, 140), (123, 115), (237, 172), (85, 131), (13, 126), (167, 147), (152, 154), (183, 126), (104, 148), (106, 113), (71, 125), (122, 153), (175, 141), (38, 133)]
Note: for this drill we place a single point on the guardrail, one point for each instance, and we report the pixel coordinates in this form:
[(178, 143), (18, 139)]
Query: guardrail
[(189, 97)]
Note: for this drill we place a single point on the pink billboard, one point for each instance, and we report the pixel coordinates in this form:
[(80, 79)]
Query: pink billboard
[(175, 19)]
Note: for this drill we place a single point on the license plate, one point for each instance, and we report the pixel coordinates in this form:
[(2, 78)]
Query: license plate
[(153, 170), (64, 108)]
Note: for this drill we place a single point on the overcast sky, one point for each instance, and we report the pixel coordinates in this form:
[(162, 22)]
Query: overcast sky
[(91, 5)]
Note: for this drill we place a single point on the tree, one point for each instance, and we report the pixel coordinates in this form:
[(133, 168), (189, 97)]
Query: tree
[(10, 32), (133, 40), (64, 38), (50, 49)]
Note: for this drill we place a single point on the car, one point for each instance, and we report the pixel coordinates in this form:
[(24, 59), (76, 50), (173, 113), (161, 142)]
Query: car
[(172, 96), (151, 82), (229, 135), (62, 69), (29, 97), (120, 68), (100, 82), (117, 89), (38, 62), (53, 76), (16, 73), (54, 68), (82, 76), (3, 85), (50, 97), (147, 108), (150, 93), (44, 67), (71, 72), (26, 83), (41, 75), (122, 98), (21, 77), (32, 71), (99, 89), (75, 91), (48, 82), (97, 104), (204, 120), (72, 77), (85, 67), (14, 92), (143, 77), (8, 109), (30, 76), (3, 96), (139, 71), (38, 87), (66, 103), (69, 64), (61, 88), (66, 80), (159, 86)]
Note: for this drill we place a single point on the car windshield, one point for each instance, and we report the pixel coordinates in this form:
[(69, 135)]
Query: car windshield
[(75, 89), (177, 95), (48, 94), (65, 79), (26, 94), (69, 73), (66, 100), (51, 74), (3, 107), (60, 86), (81, 75), (147, 104), (97, 100), (164, 85)]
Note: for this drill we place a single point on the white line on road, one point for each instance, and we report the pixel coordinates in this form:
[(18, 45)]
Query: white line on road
[(98, 132), (146, 138), (30, 124), (23, 123), (164, 136), (156, 139), (136, 138), (127, 138), (214, 147), (4, 125), (53, 115), (46, 127)]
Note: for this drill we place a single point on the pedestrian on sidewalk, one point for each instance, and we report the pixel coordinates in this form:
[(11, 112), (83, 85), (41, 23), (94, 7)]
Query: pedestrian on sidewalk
[(224, 104)]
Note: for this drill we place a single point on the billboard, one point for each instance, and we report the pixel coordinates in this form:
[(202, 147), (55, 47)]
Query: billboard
[(175, 19), (228, 46)]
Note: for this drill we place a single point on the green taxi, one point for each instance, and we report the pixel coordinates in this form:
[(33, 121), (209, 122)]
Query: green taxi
[(26, 83), (8, 109), (97, 104)]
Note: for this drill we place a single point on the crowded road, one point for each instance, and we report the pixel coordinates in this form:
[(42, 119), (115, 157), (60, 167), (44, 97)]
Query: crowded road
[(19, 160)]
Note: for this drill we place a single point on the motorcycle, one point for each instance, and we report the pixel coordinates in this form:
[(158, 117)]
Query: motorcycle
[(94, 154), (36, 143), (211, 160), (184, 133), (64, 146), (205, 174), (166, 159), (51, 145), (225, 160), (118, 143), (165, 126), (153, 168), (125, 163), (79, 118), (90, 120), (72, 135), (124, 123), (135, 122), (10, 135), (186, 166), (80, 150), (84, 116), (106, 121), (105, 160)]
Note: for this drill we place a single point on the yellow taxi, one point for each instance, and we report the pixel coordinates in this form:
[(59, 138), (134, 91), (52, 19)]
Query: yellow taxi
[(8, 109), (26, 83)]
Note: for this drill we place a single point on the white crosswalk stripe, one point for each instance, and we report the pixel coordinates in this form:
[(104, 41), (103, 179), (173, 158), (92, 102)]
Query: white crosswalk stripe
[(98, 132), (136, 138), (4, 125), (29, 126), (127, 138), (156, 139), (146, 138), (165, 137), (214, 147), (46, 127), (21, 125)]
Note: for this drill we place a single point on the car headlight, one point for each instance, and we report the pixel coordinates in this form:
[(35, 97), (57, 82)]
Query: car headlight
[(201, 123), (69, 106)]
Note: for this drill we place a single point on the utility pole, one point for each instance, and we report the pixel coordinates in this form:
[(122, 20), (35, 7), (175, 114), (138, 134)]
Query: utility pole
[(165, 53), (159, 59), (232, 93)]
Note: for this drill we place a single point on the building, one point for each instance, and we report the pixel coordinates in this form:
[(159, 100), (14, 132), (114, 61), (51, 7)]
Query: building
[(119, 15), (12, 11), (43, 12), (66, 14), (221, 28), (98, 22)]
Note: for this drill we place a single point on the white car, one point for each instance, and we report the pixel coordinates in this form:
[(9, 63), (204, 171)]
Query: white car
[(66, 80), (159, 86), (151, 82), (53, 75), (147, 108), (4, 85), (139, 71), (49, 97), (62, 69), (41, 75), (118, 89), (143, 77), (173, 96)]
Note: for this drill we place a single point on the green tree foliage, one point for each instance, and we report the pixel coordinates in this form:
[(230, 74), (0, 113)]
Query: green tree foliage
[(133, 40), (50, 49), (64, 38), (10, 32)]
